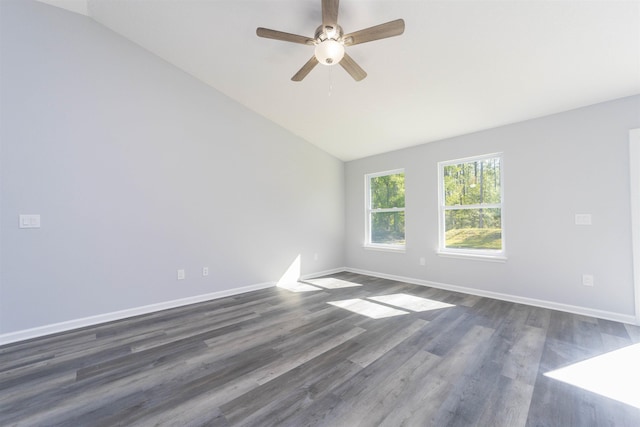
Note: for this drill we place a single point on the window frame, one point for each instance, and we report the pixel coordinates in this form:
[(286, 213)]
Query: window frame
[(482, 254), (368, 244)]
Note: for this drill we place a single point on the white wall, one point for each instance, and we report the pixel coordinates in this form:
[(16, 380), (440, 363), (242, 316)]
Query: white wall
[(138, 169), (555, 167), (634, 165)]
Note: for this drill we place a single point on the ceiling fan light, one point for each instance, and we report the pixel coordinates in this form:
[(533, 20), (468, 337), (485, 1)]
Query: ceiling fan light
[(329, 52)]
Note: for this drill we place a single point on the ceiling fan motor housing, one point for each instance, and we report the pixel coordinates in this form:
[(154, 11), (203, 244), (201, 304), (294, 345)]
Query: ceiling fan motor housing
[(328, 32)]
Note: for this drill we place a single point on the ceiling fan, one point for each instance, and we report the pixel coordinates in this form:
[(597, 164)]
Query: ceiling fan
[(330, 41)]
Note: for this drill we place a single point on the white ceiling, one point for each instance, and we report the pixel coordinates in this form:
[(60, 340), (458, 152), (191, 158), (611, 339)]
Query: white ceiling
[(460, 66)]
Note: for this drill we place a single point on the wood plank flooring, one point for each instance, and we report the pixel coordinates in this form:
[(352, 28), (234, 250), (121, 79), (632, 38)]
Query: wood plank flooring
[(277, 357)]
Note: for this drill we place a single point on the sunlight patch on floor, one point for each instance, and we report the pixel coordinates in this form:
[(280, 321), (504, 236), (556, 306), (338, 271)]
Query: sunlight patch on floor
[(615, 375), (332, 283), (299, 287), (367, 308), (411, 302)]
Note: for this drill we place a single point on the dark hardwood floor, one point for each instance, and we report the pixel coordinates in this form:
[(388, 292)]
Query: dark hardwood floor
[(285, 358)]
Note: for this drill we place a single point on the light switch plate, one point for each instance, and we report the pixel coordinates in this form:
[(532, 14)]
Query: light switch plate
[(29, 221)]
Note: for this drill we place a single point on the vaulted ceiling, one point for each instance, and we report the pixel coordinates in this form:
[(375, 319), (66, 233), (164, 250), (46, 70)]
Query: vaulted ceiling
[(460, 66)]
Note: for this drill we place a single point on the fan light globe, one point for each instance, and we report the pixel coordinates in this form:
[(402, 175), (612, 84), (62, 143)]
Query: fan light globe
[(329, 52)]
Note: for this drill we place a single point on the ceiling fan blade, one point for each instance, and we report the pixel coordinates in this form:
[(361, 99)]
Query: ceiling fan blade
[(285, 37), (330, 13), (382, 31), (306, 69), (352, 68)]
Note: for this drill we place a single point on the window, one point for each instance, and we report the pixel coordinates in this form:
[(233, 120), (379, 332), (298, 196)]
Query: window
[(471, 213), (385, 210)]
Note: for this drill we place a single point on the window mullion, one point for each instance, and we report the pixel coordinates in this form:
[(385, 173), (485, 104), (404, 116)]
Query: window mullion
[(480, 206), (387, 210)]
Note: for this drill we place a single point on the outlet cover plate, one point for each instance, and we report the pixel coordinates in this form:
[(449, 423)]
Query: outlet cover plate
[(583, 219), (588, 280)]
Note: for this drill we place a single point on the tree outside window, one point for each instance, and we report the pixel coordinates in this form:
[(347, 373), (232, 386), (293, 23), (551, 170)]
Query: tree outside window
[(471, 205), (386, 209)]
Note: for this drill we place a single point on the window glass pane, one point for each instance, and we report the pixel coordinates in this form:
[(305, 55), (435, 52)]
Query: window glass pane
[(473, 229), (387, 228), (472, 183), (387, 191)]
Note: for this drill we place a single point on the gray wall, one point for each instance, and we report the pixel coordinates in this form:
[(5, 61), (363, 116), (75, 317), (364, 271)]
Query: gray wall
[(554, 167), (138, 169)]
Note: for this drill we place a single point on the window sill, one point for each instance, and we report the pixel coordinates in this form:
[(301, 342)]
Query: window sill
[(476, 257), (385, 248)]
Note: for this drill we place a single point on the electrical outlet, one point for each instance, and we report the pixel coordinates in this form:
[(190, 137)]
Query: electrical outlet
[(423, 261), (315, 257), (583, 219), (205, 271), (181, 274), (587, 280)]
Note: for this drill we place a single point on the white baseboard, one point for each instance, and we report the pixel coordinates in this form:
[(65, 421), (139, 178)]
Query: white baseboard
[(323, 273), (601, 314), (40, 331), (69, 325)]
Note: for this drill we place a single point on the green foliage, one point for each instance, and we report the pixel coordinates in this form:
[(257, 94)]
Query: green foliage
[(473, 218), (387, 228), (474, 238), (472, 183), (387, 192)]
